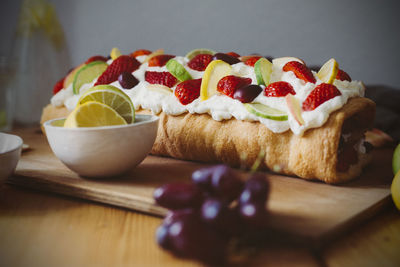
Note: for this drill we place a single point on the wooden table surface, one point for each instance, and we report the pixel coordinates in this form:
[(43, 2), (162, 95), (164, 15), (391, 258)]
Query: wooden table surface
[(45, 229)]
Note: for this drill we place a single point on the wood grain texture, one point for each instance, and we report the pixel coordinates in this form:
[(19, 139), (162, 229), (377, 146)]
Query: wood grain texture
[(311, 212)]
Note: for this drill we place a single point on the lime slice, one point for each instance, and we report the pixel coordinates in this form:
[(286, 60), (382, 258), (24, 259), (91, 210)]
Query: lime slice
[(115, 53), (93, 114), (199, 51), (263, 69), (155, 53), (214, 72), (113, 97), (159, 88), (395, 190), (396, 160), (265, 111), (87, 74), (177, 70), (327, 73), (70, 77)]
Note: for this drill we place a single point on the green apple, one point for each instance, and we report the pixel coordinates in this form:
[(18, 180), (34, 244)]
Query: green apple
[(266, 112), (87, 74), (177, 70), (263, 70), (396, 159)]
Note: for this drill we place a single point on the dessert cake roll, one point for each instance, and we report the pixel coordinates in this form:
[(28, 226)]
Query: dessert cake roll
[(219, 107)]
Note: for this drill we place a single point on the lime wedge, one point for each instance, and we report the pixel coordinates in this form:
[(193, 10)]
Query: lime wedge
[(396, 160), (395, 190), (87, 74), (177, 70), (115, 53), (113, 97), (70, 77), (199, 51), (263, 69), (265, 111), (327, 73), (214, 72), (93, 114)]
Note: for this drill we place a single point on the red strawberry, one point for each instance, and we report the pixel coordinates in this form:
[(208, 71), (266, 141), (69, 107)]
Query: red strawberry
[(160, 60), (343, 76), (319, 95), (188, 91), (96, 58), (200, 62), (160, 77), (300, 70), (121, 64), (233, 54), (251, 61), (140, 52), (278, 89), (58, 86), (229, 84)]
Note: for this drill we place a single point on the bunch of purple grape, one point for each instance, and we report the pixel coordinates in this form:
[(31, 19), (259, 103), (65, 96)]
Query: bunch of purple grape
[(207, 214)]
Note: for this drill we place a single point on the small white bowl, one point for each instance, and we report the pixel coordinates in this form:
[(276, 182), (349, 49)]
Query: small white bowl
[(102, 151), (10, 151)]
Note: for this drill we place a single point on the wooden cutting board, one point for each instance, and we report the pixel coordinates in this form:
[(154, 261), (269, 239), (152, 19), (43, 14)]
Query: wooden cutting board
[(310, 212)]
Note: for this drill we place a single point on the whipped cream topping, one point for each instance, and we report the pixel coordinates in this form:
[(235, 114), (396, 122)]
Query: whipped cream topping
[(221, 107)]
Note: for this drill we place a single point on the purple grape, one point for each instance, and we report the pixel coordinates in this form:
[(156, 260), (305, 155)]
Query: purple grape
[(162, 237), (202, 178), (253, 214), (178, 196), (256, 190), (227, 58), (217, 214), (192, 238), (174, 215), (127, 80), (247, 93), (226, 185)]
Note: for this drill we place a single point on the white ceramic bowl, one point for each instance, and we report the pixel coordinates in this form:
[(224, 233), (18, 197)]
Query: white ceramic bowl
[(10, 151), (103, 151)]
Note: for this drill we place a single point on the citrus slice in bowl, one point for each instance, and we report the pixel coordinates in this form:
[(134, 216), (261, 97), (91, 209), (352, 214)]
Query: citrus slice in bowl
[(327, 73), (93, 114), (87, 74), (266, 112), (113, 97), (214, 72), (263, 69), (177, 70), (199, 51)]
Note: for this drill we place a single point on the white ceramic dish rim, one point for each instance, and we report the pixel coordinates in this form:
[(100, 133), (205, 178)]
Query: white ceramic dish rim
[(146, 119), (12, 149)]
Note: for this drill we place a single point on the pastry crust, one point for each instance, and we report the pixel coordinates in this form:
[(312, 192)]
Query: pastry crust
[(314, 155)]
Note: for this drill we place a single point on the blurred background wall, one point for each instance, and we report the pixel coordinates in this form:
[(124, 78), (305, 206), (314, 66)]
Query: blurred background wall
[(363, 36)]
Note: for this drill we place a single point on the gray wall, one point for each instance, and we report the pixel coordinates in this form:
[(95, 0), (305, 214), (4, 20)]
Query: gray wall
[(363, 36)]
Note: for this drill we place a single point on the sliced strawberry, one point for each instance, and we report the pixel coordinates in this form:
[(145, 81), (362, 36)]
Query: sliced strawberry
[(96, 58), (319, 95), (58, 86), (233, 54), (160, 60), (140, 52), (200, 62), (252, 60), (229, 84), (343, 76), (121, 64), (300, 70), (188, 91), (278, 89), (160, 77)]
